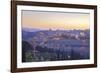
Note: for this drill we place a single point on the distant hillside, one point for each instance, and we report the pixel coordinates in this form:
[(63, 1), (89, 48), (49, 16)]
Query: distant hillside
[(30, 29)]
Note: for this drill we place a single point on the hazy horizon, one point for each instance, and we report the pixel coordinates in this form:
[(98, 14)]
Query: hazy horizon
[(50, 29), (55, 20)]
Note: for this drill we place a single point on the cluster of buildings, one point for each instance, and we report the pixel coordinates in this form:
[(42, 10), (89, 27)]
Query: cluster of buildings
[(63, 43)]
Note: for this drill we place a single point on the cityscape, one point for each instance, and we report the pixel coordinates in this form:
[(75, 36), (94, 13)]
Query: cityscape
[(55, 45), (52, 36)]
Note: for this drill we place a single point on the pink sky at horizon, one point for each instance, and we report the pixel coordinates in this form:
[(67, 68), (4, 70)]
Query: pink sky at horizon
[(55, 20)]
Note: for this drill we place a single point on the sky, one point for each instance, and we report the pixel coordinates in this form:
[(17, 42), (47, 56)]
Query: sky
[(55, 20)]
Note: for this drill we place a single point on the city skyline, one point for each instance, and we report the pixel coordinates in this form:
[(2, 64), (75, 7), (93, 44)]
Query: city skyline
[(55, 20)]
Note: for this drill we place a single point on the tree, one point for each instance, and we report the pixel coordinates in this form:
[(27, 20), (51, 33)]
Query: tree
[(25, 48)]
